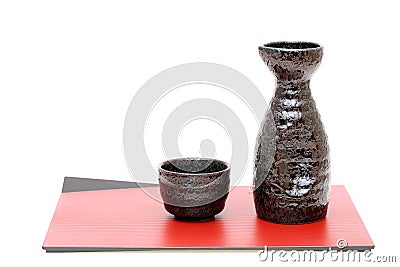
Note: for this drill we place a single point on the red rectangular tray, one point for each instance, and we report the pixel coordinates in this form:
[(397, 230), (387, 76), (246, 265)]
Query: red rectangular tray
[(126, 218)]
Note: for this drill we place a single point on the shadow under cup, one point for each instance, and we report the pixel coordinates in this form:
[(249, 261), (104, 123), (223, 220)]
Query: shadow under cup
[(194, 189)]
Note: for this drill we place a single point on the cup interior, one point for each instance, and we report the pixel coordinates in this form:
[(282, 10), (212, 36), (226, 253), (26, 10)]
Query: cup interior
[(194, 166)]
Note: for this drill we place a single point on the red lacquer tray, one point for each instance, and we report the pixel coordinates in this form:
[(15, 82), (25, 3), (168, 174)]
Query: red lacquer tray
[(103, 215)]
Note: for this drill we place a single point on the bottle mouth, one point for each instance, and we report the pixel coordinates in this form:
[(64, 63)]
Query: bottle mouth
[(292, 61), (291, 46)]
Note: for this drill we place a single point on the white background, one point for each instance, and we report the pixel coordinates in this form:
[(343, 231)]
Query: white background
[(69, 69)]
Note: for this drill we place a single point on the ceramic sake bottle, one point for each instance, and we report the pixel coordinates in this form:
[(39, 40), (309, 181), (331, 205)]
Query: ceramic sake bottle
[(292, 166)]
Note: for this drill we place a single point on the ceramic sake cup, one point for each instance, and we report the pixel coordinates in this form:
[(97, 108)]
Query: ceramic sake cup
[(194, 189)]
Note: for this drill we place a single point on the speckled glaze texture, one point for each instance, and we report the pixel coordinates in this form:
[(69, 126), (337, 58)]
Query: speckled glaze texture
[(291, 166), (194, 189)]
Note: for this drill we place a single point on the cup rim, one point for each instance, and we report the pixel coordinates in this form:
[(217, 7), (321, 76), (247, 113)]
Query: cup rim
[(228, 167)]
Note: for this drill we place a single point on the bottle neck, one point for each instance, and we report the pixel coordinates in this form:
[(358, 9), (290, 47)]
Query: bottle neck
[(293, 89)]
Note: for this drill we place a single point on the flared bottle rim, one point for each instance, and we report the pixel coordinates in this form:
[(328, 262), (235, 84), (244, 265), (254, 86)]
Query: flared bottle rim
[(291, 46)]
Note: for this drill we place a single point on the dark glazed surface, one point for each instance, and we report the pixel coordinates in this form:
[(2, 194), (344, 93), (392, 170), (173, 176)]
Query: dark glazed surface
[(194, 188), (292, 167)]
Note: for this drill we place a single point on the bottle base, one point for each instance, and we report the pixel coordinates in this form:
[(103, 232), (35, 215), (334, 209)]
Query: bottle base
[(272, 211)]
